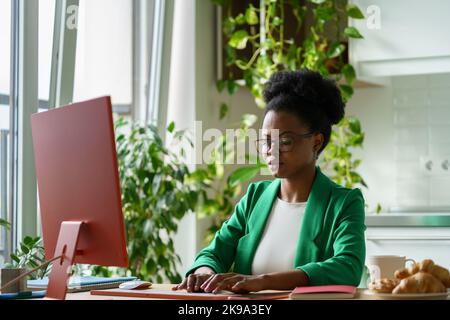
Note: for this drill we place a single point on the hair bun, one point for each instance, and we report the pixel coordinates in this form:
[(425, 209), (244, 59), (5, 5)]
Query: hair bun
[(311, 88)]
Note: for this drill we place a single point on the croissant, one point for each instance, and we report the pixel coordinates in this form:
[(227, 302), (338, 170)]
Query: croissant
[(403, 273), (437, 271), (407, 272), (420, 282), (441, 274), (384, 285), (426, 265)]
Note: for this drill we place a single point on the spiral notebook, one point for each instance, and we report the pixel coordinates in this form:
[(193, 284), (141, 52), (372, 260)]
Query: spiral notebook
[(79, 284)]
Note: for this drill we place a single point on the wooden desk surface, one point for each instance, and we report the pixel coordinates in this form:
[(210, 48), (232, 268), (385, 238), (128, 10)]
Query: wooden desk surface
[(87, 295)]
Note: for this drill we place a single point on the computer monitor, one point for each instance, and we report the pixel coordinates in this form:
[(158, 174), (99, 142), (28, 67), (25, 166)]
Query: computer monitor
[(79, 189)]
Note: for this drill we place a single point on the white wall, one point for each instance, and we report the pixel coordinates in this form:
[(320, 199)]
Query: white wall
[(104, 49), (181, 107), (373, 106), (406, 124)]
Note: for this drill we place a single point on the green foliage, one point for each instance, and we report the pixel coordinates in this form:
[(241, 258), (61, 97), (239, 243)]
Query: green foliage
[(157, 189), (220, 204), (338, 155), (354, 12), (263, 29), (219, 191), (29, 255), (4, 223), (155, 196), (352, 32)]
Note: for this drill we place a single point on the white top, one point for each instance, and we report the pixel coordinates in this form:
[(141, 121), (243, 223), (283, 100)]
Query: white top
[(276, 250)]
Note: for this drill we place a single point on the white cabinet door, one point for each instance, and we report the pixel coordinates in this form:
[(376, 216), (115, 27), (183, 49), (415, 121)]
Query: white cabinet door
[(401, 37), (417, 243)]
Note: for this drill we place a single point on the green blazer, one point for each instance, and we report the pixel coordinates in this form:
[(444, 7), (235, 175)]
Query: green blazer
[(331, 246)]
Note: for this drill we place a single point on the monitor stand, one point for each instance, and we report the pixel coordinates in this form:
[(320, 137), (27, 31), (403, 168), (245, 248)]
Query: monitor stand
[(61, 269)]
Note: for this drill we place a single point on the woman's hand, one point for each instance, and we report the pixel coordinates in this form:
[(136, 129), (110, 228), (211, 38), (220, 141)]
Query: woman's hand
[(193, 282), (237, 283)]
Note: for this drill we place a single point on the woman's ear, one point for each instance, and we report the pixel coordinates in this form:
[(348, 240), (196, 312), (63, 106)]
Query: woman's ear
[(318, 142)]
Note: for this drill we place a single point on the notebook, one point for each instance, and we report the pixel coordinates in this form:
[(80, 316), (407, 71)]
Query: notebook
[(323, 292), (78, 284), (23, 295)]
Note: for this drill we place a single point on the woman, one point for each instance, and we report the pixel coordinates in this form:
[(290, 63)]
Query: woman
[(301, 228)]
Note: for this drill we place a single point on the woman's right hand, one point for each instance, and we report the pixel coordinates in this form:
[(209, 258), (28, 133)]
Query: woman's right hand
[(193, 282)]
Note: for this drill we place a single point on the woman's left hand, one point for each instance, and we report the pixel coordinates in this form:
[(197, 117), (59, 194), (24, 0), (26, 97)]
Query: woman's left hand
[(237, 283)]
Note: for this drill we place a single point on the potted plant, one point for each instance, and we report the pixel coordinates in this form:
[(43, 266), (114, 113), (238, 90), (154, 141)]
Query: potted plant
[(30, 254), (158, 189)]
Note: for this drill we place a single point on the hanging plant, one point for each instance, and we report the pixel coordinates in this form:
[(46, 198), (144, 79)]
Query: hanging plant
[(258, 41)]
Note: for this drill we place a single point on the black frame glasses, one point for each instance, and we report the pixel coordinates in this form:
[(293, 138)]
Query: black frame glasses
[(285, 143)]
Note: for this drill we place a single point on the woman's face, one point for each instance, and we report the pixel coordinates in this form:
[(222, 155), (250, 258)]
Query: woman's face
[(285, 133)]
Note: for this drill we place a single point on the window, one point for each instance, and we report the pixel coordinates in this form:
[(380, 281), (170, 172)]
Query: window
[(110, 50), (46, 21), (103, 64), (45, 45), (5, 40)]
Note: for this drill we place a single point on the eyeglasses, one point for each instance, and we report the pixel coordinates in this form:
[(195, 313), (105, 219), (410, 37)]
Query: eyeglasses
[(285, 143)]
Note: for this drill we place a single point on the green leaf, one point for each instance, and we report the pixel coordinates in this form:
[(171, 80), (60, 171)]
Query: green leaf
[(29, 241), (229, 25), (24, 248), (171, 127), (325, 13), (352, 32), (221, 84), (356, 140), (232, 87), (4, 223), (349, 73), (239, 39), (336, 49), (243, 174), (346, 91), (15, 258), (354, 12), (248, 120), (223, 110), (364, 183), (148, 228), (378, 208), (240, 19), (250, 16), (355, 125), (277, 21)]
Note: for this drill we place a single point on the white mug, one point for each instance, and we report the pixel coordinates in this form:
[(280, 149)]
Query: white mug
[(384, 266)]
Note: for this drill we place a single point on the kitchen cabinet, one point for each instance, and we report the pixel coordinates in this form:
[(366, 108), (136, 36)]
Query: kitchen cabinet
[(401, 37), (417, 243)]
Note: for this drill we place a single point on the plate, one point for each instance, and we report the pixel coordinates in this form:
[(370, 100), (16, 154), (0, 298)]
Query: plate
[(406, 296)]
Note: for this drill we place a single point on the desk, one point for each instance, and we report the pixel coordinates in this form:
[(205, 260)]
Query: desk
[(87, 295)]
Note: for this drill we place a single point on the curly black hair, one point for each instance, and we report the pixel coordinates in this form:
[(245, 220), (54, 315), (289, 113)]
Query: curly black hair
[(314, 99)]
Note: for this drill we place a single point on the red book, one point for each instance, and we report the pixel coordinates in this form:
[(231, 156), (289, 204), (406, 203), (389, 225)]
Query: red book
[(323, 292)]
